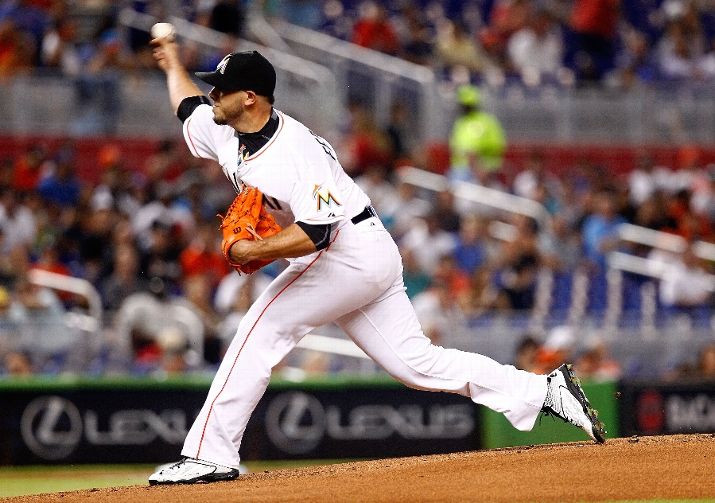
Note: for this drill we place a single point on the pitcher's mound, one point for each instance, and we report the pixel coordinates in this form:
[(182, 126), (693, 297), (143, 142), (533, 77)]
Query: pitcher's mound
[(670, 467)]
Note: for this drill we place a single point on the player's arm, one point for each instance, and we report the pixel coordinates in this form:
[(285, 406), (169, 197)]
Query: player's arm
[(296, 240), (182, 90)]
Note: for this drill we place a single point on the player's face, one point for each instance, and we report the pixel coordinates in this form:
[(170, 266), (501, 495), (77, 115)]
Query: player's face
[(227, 106)]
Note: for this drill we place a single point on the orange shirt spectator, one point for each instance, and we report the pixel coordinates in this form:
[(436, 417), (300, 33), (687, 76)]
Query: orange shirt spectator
[(201, 256)]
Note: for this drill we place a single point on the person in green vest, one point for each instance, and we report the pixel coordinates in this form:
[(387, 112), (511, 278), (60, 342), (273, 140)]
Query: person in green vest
[(477, 140)]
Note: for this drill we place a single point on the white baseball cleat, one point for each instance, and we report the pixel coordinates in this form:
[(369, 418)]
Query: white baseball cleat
[(190, 471), (566, 400)]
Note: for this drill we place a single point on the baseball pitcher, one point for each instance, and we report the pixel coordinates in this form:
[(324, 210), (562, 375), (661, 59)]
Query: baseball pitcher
[(296, 202)]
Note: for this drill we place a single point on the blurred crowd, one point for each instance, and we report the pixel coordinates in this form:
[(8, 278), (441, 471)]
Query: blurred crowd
[(613, 42), (616, 43), (145, 236)]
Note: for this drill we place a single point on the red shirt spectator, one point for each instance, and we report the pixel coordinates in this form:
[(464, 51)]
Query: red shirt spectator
[(374, 31), (596, 17)]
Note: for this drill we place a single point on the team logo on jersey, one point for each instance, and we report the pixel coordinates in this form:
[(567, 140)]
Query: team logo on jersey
[(324, 197), (221, 67)]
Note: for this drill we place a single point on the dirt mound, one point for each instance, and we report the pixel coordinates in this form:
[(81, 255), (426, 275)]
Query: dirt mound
[(679, 466)]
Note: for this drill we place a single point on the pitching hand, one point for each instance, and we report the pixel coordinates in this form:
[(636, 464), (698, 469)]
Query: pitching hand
[(165, 52)]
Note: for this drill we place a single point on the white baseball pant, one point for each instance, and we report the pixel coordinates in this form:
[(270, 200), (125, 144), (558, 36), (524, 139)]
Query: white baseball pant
[(356, 282)]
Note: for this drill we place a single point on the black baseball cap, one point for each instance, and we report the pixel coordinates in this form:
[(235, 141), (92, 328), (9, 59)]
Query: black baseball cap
[(242, 71)]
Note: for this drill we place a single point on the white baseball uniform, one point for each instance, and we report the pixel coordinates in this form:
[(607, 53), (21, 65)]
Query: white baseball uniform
[(356, 282)]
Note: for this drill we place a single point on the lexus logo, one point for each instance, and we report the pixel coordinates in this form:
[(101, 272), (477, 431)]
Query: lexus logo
[(51, 427), (295, 422)]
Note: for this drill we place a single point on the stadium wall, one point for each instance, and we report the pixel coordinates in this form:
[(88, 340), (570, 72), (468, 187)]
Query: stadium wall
[(122, 420)]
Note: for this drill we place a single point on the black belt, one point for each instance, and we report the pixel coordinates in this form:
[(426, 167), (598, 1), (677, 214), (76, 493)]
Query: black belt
[(368, 212)]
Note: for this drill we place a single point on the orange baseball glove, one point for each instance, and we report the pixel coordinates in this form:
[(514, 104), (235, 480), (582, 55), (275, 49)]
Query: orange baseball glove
[(246, 218)]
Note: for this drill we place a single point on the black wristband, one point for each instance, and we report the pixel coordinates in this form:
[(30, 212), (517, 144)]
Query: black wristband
[(318, 234), (188, 105)]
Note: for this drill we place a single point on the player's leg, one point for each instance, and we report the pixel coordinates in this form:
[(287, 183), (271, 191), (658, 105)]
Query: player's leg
[(313, 291), (388, 331)]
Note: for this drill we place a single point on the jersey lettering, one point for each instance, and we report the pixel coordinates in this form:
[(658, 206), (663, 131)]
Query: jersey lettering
[(326, 146)]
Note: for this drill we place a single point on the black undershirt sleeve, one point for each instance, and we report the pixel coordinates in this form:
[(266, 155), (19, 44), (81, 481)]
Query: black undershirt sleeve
[(318, 234), (188, 105)]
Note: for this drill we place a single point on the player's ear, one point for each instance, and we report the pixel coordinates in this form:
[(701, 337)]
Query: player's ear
[(250, 98)]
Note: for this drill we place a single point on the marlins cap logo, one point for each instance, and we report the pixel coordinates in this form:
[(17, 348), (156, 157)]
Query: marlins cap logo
[(221, 67)]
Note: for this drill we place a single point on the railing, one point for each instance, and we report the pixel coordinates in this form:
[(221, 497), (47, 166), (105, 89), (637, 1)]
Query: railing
[(92, 321), (645, 266), (478, 194), (304, 89), (375, 78), (664, 241)]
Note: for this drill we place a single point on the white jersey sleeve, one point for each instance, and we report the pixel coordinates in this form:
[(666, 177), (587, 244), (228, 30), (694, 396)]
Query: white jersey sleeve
[(200, 133), (316, 197)]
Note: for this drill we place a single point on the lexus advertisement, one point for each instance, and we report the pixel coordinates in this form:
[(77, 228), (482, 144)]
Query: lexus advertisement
[(101, 426)]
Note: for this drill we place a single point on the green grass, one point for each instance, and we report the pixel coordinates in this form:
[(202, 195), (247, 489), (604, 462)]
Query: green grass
[(23, 480)]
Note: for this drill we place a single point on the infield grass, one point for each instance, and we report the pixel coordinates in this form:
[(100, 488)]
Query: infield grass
[(23, 480)]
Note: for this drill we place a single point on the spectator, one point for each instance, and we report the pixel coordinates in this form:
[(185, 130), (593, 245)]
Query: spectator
[(381, 192), (399, 132), (403, 212), (201, 257), (98, 87), (418, 47), (438, 312), (686, 284), (635, 64), (536, 51), (374, 30), (483, 296), (457, 51), (16, 49), (518, 264), (28, 168), (537, 183), (560, 247), (198, 292), (506, 18), (60, 49), (447, 273), (366, 145), (415, 279), (471, 250), (600, 229), (428, 242), (124, 279), (526, 352), (18, 222), (17, 364), (594, 29), (682, 46), (596, 363), (62, 187), (227, 17), (477, 140), (706, 362), (159, 256), (444, 209), (558, 348)]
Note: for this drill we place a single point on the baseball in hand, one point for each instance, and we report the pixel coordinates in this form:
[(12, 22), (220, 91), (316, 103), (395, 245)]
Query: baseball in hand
[(163, 30)]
